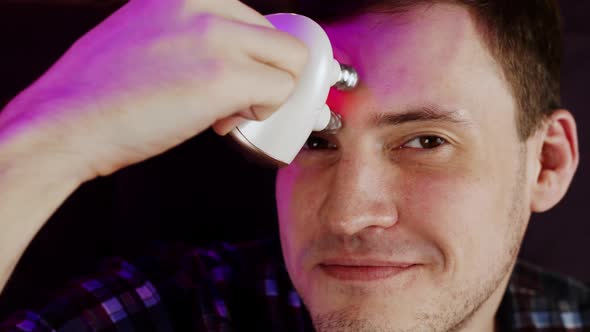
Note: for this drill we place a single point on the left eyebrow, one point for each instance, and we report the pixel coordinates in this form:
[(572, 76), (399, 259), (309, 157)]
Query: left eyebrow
[(423, 113)]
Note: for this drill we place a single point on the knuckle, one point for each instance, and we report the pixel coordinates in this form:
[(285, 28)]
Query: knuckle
[(301, 53), (217, 70), (208, 74), (164, 44), (262, 114), (287, 85), (296, 54), (207, 25)]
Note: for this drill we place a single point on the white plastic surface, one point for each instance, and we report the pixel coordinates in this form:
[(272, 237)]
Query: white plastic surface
[(323, 119), (283, 134)]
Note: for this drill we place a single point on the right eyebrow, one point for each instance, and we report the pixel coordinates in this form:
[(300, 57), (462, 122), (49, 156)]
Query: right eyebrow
[(423, 113)]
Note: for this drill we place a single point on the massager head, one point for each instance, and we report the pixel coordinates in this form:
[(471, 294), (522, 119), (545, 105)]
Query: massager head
[(279, 138)]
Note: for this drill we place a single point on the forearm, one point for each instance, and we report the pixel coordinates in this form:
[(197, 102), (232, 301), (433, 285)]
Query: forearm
[(33, 184)]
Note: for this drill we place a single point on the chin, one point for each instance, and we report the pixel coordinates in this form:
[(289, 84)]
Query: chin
[(341, 305), (359, 319), (361, 304)]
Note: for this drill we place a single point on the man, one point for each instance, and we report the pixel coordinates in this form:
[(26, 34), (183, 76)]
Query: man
[(409, 218)]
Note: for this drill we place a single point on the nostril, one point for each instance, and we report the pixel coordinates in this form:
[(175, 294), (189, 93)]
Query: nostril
[(352, 225)]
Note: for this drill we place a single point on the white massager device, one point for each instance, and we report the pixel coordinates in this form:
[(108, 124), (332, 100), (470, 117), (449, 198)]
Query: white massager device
[(279, 138)]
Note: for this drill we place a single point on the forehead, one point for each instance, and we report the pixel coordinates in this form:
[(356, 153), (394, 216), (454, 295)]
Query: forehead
[(430, 54)]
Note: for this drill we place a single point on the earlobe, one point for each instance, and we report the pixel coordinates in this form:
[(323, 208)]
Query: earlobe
[(558, 160)]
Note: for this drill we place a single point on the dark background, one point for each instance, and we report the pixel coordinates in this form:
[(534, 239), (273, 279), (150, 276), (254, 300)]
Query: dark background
[(203, 190)]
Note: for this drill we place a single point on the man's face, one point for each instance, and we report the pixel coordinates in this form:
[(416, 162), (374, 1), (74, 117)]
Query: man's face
[(411, 216)]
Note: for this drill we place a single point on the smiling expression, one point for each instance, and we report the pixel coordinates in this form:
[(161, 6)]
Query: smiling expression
[(411, 216)]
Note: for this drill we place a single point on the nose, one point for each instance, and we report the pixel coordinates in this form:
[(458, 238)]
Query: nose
[(361, 196)]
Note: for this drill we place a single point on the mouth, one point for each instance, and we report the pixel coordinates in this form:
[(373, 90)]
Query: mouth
[(363, 270)]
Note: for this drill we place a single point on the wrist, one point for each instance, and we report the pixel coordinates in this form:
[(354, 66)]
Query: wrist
[(26, 146)]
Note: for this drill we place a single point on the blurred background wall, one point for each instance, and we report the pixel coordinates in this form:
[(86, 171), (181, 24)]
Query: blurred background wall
[(203, 190)]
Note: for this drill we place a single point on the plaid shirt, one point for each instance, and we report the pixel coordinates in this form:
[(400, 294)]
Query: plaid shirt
[(246, 288)]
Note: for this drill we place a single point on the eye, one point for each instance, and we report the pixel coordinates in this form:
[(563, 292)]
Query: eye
[(425, 142), (315, 142)]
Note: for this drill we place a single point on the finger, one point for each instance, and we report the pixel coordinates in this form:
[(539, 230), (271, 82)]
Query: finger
[(263, 89), (230, 9), (273, 47), (266, 45), (258, 112), (224, 126)]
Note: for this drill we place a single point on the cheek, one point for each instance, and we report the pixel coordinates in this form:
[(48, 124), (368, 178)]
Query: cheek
[(299, 195), (295, 194), (461, 211)]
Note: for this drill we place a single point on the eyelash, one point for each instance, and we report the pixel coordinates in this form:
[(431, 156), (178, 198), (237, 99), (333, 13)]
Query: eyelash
[(440, 141), (323, 140), (332, 146)]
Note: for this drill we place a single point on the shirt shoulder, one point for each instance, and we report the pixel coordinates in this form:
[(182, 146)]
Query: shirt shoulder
[(171, 288), (114, 297), (543, 300)]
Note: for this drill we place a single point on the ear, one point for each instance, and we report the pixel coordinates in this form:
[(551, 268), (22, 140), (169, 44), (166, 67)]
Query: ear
[(558, 160)]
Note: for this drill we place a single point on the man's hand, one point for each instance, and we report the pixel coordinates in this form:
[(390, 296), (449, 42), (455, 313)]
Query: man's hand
[(153, 75)]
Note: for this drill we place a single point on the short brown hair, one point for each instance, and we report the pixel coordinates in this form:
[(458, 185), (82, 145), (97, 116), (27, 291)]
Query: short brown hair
[(524, 36)]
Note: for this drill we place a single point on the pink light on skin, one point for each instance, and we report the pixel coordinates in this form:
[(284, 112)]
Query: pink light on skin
[(344, 102), (374, 86), (336, 101), (348, 103)]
